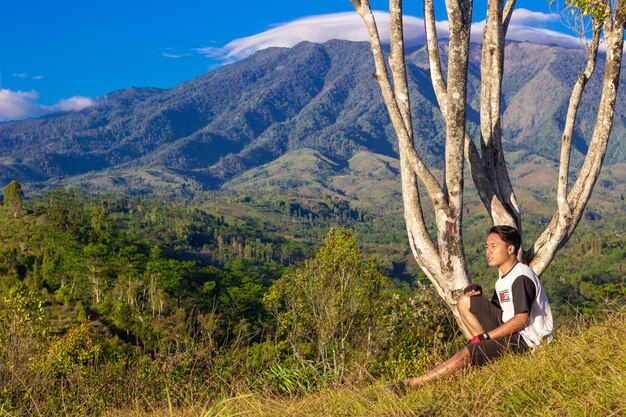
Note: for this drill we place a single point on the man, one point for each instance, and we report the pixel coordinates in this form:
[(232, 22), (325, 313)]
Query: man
[(517, 318)]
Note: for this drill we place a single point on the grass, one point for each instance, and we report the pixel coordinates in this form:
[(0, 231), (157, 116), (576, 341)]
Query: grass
[(581, 373)]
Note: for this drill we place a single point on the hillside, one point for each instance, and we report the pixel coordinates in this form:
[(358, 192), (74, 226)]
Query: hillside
[(212, 130), (579, 374), (117, 302)]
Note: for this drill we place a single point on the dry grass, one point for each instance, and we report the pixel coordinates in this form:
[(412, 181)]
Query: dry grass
[(581, 373)]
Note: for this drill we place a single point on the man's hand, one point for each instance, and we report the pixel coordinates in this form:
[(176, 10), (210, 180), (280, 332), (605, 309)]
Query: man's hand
[(480, 337), (515, 324), (473, 290)]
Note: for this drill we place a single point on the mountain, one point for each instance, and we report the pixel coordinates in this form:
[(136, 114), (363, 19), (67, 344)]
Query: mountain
[(318, 99)]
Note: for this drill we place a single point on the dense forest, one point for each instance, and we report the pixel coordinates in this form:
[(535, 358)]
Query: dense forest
[(107, 300)]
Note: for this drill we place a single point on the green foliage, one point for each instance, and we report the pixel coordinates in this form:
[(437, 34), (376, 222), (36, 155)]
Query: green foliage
[(330, 310), (297, 379), (589, 272), (21, 314), (23, 333), (14, 196), (580, 373), (418, 326), (73, 351), (9, 266), (594, 8), (198, 298)]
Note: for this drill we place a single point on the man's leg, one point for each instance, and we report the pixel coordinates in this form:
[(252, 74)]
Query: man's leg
[(463, 305), (447, 368), (486, 350), (478, 314)]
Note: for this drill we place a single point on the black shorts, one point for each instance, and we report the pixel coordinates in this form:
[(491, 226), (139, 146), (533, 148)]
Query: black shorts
[(490, 317)]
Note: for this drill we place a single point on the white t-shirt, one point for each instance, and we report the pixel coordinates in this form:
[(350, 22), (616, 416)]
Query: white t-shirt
[(519, 291)]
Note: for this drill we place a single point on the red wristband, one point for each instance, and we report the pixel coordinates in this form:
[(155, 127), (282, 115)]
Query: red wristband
[(480, 337)]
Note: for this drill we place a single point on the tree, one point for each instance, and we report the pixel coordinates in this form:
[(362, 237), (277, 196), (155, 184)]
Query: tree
[(443, 258), (329, 308), (96, 260), (14, 196)]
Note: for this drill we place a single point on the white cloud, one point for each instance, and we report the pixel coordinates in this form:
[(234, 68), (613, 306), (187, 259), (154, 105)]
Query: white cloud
[(25, 75), (16, 105), (173, 55), (213, 52), (541, 36), (319, 29), (529, 17), (171, 52), (75, 103), (526, 26), (170, 55)]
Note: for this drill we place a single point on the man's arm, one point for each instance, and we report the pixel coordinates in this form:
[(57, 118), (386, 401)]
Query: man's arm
[(517, 323)]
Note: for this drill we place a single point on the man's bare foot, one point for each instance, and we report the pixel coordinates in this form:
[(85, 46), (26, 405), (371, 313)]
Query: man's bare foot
[(399, 388), (412, 383)]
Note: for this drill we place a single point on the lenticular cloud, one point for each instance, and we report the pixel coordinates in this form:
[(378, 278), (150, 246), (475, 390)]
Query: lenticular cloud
[(526, 26)]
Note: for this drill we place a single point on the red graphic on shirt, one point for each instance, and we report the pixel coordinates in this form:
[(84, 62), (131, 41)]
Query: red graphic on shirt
[(504, 296)]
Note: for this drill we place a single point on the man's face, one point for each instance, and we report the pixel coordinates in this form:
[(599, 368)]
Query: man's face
[(497, 250)]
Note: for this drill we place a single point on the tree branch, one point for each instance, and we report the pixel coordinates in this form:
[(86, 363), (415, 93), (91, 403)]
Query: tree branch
[(434, 59), (565, 213), (433, 188), (422, 246), (459, 16), (497, 211), (411, 163), (357, 3), (492, 70), (449, 231), (398, 66), (506, 15), (416, 226), (555, 235), (487, 193)]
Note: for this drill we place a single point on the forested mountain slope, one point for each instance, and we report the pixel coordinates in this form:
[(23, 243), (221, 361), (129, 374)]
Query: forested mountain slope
[(317, 96)]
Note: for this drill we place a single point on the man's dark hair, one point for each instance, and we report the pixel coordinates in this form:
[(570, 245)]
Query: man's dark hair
[(509, 234)]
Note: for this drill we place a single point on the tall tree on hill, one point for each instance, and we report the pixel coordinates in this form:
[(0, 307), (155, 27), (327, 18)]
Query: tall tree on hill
[(443, 258), (14, 196)]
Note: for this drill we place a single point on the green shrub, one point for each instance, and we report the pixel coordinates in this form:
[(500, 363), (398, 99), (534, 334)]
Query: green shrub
[(73, 352)]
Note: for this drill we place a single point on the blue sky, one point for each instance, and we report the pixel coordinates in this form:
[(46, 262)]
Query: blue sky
[(64, 54)]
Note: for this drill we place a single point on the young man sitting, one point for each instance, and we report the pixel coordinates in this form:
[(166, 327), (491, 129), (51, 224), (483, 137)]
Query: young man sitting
[(517, 318)]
